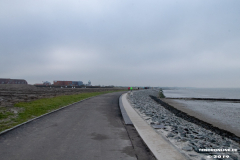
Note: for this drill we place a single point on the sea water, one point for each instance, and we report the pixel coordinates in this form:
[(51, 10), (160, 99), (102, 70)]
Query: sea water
[(226, 93), (224, 114)]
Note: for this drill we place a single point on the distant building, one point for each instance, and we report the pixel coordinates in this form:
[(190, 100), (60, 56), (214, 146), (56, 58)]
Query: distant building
[(77, 83), (89, 83), (12, 81), (68, 83), (62, 83), (47, 83)]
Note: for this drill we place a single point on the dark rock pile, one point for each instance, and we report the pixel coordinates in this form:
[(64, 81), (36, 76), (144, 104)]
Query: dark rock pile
[(197, 121), (182, 128)]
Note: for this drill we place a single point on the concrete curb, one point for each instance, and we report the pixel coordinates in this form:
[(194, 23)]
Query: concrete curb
[(161, 148), (126, 118), (7, 130)]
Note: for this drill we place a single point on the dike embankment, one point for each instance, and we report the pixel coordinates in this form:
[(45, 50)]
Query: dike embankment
[(193, 137)]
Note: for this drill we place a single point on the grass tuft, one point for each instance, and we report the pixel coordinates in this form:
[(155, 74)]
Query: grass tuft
[(161, 95), (6, 114)]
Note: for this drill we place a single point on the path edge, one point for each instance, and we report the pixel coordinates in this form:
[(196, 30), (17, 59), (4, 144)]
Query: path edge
[(157, 156), (21, 124)]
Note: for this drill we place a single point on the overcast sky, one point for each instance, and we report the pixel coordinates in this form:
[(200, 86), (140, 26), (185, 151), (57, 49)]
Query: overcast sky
[(190, 43)]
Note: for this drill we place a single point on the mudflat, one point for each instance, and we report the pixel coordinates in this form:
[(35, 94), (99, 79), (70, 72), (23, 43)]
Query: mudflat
[(223, 118)]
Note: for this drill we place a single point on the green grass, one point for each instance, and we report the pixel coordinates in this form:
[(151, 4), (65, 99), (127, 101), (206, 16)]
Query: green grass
[(161, 95), (6, 114), (41, 106)]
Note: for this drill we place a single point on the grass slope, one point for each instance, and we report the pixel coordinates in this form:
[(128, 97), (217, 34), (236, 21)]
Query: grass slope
[(39, 107)]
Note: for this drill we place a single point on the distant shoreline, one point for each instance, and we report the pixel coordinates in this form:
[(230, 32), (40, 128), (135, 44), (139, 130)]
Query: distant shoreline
[(208, 99)]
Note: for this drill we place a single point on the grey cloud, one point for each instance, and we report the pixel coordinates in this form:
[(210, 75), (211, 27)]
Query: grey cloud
[(122, 42)]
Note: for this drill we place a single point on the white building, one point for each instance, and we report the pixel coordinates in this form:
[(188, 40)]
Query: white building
[(89, 83)]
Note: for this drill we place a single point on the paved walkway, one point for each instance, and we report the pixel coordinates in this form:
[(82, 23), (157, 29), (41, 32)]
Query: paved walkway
[(161, 148), (92, 129)]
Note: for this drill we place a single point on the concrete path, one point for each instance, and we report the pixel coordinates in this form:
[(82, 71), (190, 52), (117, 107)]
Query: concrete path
[(92, 129), (161, 148)]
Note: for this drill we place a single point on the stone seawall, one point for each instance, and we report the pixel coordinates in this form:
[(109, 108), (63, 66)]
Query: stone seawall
[(196, 139), (196, 121)]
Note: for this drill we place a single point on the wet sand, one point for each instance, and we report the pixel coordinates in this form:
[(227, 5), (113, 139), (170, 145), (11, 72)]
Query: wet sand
[(214, 113)]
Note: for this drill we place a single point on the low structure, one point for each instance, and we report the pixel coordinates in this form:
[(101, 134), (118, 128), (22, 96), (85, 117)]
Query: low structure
[(12, 81)]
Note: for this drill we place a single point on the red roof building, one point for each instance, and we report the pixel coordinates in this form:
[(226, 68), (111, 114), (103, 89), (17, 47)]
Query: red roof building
[(12, 81)]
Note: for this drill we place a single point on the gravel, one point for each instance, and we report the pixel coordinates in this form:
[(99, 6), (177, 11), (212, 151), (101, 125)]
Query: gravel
[(188, 137)]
